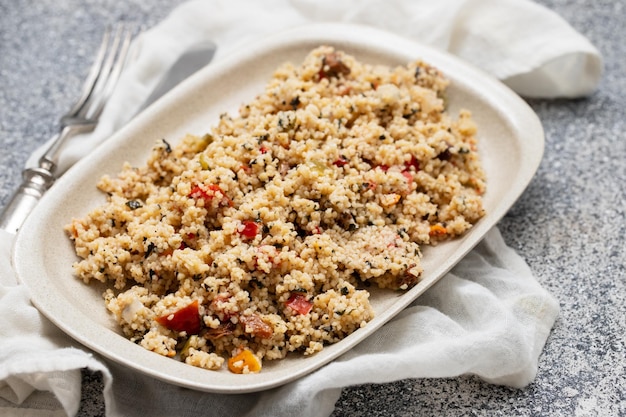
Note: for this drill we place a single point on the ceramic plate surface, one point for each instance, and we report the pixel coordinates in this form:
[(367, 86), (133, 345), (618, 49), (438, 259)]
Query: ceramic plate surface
[(510, 144)]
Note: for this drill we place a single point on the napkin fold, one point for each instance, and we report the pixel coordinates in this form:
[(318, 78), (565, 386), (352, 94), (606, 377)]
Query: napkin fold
[(488, 317)]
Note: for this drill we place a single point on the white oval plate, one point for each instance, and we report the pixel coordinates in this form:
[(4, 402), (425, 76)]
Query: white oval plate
[(510, 143)]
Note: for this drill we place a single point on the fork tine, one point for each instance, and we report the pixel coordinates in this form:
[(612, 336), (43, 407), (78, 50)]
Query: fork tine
[(94, 73), (109, 74)]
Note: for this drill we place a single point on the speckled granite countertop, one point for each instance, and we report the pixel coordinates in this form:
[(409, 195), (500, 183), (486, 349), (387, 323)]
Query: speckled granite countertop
[(569, 224)]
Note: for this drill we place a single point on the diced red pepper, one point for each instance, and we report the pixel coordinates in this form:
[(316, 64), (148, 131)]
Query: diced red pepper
[(211, 191), (198, 192), (340, 162), (263, 149), (413, 162), (299, 303), (186, 319), (250, 229)]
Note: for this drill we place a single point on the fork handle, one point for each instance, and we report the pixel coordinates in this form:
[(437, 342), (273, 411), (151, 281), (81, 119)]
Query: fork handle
[(35, 182), (50, 158)]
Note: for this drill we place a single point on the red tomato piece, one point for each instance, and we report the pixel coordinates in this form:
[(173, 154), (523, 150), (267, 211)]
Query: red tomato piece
[(186, 319), (214, 188), (211, 189), (250, 229), (298, 303)]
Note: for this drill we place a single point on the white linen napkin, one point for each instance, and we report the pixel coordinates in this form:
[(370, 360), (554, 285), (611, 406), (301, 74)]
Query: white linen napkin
[(489, 316)]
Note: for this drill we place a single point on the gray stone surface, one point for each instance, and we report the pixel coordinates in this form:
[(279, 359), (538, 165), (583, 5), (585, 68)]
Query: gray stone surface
[(569, 224)]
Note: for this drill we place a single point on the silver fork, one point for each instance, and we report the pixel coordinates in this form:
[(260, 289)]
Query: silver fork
[(81, 118)]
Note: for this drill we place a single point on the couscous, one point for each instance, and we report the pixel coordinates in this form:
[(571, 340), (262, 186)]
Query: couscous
[(262, 236)]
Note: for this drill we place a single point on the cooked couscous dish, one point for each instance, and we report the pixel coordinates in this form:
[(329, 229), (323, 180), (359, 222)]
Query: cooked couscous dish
[(262, 236)]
